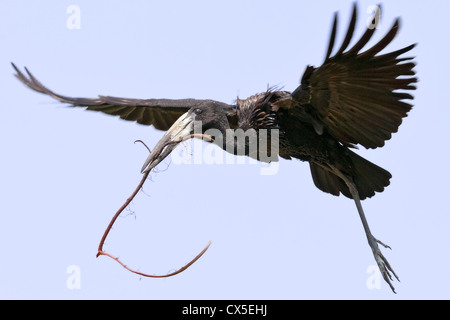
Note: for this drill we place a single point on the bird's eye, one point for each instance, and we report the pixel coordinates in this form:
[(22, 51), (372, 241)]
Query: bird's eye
[(197, 111)]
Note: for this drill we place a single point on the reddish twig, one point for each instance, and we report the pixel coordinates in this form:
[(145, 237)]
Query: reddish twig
[(144, 145), (127, 202), (157, 276)]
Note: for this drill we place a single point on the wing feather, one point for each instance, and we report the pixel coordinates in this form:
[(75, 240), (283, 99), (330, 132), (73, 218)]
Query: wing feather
[(358, 97), (161, 113)]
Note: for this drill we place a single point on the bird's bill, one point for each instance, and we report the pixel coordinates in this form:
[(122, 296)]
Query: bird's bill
[(180, 131)]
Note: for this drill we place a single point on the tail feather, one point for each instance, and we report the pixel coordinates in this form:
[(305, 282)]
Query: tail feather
[(368, 177)]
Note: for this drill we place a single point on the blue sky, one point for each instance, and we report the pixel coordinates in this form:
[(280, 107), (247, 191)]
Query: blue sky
[(65, 172)]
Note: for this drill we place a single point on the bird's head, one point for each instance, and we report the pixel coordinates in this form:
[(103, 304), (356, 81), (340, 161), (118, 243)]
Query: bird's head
[(193, 124)]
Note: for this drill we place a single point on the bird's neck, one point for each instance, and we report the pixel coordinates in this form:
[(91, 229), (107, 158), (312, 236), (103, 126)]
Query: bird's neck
[(258, 144)]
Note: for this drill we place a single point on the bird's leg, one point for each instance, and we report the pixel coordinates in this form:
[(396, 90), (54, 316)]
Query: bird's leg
[(383, 264)]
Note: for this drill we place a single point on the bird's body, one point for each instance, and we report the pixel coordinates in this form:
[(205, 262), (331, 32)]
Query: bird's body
[(298, 139), (353, 98)]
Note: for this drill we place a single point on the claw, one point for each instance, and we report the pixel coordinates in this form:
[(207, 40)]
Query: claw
[(384, 245), (384, 266)]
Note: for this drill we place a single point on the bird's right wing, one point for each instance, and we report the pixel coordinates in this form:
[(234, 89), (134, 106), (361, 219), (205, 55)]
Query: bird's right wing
[(354, 96), (161, 113)]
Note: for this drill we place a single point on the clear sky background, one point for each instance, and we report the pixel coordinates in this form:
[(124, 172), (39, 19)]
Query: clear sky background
[(64, 172)]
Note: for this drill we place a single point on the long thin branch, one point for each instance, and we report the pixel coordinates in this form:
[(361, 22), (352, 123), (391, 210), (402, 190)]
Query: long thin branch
[(127, 202), (158, 276)]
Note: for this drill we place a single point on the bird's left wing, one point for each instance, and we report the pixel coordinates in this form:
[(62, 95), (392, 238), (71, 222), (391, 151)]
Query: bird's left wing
[(354, 96), (161, 113)]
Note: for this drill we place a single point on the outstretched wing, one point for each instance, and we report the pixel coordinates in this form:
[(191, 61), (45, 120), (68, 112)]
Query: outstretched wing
[(354, 95), (161, 113)]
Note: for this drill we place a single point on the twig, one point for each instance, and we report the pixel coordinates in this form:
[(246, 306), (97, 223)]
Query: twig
[(144, 145), (127, 202)]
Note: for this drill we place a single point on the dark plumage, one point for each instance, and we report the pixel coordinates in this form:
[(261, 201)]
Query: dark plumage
[(354, 98)]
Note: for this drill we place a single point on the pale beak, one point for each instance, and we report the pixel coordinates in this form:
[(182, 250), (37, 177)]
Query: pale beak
[(180, 131)]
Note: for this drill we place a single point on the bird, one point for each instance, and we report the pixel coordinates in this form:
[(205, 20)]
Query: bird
[(354, 98)]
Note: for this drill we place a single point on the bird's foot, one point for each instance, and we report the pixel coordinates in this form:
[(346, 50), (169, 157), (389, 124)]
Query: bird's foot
[(384, 245), (385, 268)]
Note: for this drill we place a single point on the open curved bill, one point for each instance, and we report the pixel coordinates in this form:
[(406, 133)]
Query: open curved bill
[(178, 132), (181, 130)]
